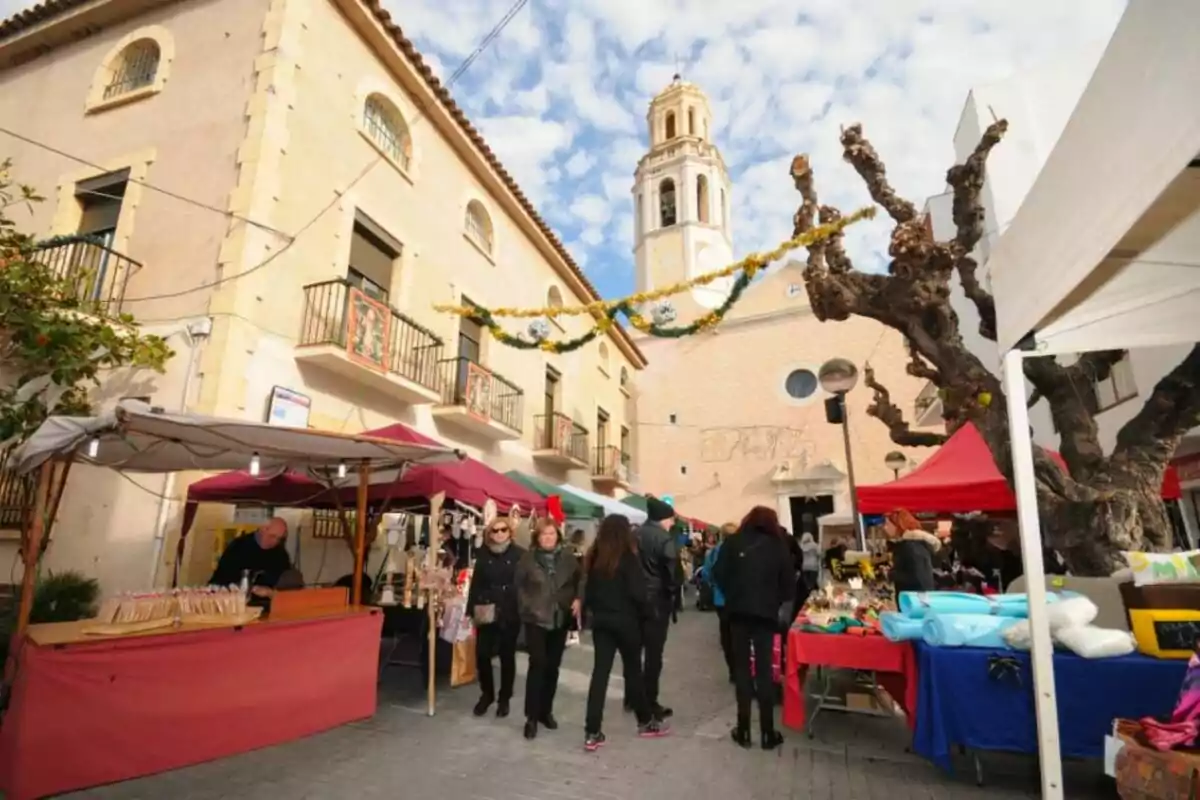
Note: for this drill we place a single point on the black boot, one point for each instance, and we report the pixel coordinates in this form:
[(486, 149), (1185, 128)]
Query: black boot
[(770, 739), (741, 737), (531, 729), (549, 722), (502, 709), (482, 706)]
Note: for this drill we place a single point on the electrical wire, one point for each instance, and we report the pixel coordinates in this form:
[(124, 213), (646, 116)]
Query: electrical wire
[(423, 108)]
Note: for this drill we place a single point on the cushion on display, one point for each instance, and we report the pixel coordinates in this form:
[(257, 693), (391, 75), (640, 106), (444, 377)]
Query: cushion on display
[(1151, 568)]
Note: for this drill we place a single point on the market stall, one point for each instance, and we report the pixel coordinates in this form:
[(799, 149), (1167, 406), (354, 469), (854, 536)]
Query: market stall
[(125, 695), (609, 504), (580, 513)]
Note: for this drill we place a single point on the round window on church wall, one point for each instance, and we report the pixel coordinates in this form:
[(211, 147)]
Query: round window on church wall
[(801, 384)]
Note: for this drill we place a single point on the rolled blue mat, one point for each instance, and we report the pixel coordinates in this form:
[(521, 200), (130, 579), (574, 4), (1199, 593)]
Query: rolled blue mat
[(899, 628), (967, 630), (918, 605)]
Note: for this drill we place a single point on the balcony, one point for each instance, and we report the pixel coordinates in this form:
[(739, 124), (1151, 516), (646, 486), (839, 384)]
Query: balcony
[(363, 340), (16, 497), (92, 273), (477, 399), (610, 467), (560, 441), (927, 408)]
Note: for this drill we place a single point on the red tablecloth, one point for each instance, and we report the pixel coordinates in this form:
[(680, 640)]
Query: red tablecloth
[(894, 663), (89, 714)]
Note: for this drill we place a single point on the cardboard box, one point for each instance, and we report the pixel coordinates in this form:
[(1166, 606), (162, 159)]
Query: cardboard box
[(1144, 773)]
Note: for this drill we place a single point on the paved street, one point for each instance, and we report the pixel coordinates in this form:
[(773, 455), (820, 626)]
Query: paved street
[(403, 753)]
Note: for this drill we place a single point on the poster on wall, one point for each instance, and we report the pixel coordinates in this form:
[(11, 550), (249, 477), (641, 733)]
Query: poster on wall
[(287, 408), (368, 330), (479, 391)]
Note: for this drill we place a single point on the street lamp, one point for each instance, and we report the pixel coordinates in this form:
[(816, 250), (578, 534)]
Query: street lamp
[(895, 461), (839, 376)]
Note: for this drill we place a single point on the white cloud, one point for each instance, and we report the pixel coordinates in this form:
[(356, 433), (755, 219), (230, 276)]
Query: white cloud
[(579, 164)]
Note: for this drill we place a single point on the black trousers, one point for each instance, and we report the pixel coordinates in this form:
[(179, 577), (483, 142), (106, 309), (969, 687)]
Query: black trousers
[(607, 642), (654, 641), (497, 639), (726, 640), (545, 657), (747, 633)]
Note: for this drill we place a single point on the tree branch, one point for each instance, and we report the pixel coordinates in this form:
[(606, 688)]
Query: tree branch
[(866, 162), (919, 368), (1171, 410), (887, 412)]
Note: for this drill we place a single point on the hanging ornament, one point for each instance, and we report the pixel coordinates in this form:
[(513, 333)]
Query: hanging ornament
[(663, 312), (538, 330), (456, 526)]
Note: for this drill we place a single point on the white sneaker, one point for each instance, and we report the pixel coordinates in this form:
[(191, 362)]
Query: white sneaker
[(572, 639)]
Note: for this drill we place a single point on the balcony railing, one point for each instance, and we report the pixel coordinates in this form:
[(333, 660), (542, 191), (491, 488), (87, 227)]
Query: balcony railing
[(16, 496), (373, 333), (560, 433), (611, 461), (925, 399), (92, 272), (486, 394)]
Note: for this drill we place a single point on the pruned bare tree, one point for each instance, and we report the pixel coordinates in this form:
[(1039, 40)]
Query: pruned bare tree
[(1108, 502)]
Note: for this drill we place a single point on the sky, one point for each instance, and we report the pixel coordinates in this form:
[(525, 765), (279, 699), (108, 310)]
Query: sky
[(561, 96)]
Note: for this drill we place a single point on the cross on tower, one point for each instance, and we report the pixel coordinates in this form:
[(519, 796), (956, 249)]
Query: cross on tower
[(678, 66)]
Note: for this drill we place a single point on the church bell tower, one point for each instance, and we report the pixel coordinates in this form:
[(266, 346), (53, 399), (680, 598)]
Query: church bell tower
[(681, 200)]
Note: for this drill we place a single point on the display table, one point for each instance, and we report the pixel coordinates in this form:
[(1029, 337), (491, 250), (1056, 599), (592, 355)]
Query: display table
[(87, 712), (892, 663), (983, 699)]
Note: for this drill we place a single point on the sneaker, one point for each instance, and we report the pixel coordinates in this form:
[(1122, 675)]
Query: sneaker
[(482, 706), (661, 712), (593, 741), (654, 729)]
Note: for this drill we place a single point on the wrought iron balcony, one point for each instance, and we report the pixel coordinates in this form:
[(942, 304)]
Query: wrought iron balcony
[(91, 272), (16, 496), (479, 399), (560, 439), (610, 464), (927, 407), (367, 341)]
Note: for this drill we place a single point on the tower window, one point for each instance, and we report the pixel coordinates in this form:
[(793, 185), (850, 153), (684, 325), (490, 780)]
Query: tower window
[(637, 222), (666, 203), (691, 122), (702, 198), (670, 124), (722, 208)]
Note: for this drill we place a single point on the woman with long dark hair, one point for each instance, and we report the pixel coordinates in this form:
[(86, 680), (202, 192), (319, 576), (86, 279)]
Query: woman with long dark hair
[(615, 600), (755, 572)]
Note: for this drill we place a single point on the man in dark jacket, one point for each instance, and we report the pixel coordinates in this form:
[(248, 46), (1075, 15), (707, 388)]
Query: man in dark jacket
[(755, 571), (660, 558)]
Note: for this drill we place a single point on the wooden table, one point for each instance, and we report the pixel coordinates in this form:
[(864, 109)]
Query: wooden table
[(90, 710)]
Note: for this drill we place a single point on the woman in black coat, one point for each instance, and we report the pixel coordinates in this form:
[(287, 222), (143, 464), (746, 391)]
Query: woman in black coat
[(492, 604)]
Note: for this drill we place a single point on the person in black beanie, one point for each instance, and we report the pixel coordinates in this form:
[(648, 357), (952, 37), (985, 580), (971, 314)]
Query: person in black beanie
[(660, 558)]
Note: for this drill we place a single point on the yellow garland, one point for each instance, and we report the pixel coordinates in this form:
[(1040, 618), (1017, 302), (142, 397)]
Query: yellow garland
[(750, 264)]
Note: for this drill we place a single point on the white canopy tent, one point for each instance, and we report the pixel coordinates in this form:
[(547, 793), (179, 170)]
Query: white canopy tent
[(1103, 254), (609, 504)]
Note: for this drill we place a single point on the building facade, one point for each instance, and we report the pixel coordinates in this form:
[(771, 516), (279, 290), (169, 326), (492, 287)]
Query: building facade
[(1038, 105), (284, 189), (735, 418)]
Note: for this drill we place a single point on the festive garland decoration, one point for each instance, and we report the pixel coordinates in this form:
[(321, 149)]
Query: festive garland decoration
[(606, 312)]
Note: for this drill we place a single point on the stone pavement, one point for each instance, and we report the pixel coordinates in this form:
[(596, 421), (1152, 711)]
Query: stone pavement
[(403, 753)]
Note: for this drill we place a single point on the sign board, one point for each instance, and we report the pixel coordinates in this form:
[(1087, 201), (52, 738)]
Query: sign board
[(288, 408)]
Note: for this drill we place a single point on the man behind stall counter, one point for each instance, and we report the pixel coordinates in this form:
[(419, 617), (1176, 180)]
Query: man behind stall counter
[(259, 555)]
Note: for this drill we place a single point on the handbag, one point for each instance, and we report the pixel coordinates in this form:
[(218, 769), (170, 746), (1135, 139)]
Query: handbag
[(485, 613)]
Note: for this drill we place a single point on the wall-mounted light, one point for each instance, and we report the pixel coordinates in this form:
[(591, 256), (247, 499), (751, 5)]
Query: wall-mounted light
[(255, 465)]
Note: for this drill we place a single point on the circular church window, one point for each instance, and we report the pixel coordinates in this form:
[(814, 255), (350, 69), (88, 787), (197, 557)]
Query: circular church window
[(800, 384)]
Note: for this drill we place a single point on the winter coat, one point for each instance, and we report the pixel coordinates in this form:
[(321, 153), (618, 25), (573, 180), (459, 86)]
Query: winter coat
[(912, 561), (494, 582), (811, 554), (543, 601), (617, 600), (660, 563), (756, 573), (710, 563)]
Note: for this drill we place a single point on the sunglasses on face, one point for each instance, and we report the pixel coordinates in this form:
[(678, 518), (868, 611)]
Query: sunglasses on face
[(500, 529)]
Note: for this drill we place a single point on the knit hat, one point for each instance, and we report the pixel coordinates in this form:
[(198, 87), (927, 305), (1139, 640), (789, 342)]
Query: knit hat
[(657, 510)]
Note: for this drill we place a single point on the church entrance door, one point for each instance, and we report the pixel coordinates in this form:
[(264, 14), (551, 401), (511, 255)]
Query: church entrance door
[(807, 510)]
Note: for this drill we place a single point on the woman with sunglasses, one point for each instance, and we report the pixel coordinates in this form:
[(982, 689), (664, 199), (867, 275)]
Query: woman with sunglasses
[(492, 605)]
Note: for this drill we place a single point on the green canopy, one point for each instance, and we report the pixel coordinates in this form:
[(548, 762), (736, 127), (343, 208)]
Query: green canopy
[(574, 506), (636, 500)]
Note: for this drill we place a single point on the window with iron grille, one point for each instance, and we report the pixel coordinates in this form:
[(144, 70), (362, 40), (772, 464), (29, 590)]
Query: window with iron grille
[(386, 128), (479, 226), (136, 68)]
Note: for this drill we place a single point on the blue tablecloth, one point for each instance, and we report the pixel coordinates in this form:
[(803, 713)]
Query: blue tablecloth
[(964, 697)]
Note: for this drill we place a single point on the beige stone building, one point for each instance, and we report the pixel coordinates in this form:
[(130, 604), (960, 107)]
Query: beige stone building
[(735, 418), (284, 190)]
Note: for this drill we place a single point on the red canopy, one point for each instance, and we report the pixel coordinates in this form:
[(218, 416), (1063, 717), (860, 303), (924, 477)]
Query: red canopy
[(468, 481), (960, 477)]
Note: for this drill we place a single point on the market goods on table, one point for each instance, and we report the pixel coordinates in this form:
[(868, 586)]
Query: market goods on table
[(135, 612)]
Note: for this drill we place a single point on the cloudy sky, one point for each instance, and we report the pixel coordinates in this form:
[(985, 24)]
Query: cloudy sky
[(561, 95)]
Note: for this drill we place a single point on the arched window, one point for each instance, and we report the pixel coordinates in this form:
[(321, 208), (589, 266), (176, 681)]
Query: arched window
[(604, 357), (702, 198), (670, 124), (624, 379), (691, 122), (723, 211), (705, 129), (666, 203), (384, 126), (479, 226), (554, 298), (135, 68)]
